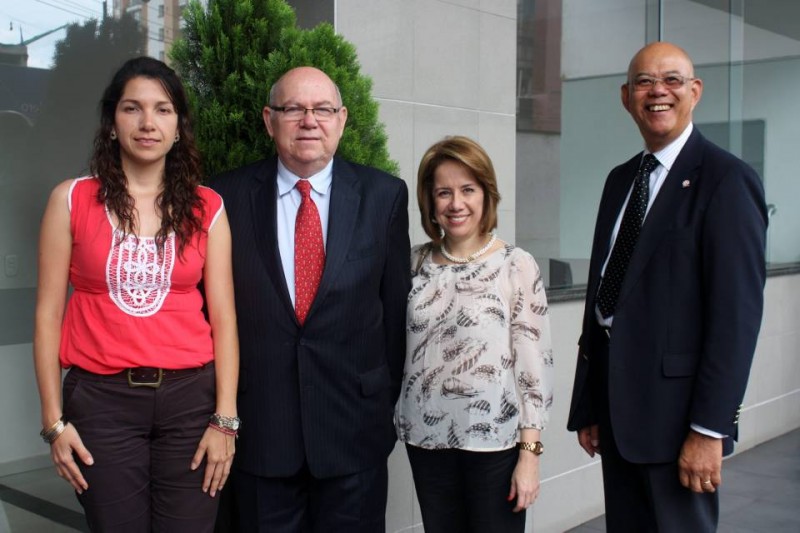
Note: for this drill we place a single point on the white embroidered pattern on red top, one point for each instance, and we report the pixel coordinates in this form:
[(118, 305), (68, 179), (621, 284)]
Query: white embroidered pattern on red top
[(138, 277)]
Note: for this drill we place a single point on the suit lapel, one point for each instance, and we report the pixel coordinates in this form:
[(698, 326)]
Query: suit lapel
[(263, 203), (342, 216), (660, 218)]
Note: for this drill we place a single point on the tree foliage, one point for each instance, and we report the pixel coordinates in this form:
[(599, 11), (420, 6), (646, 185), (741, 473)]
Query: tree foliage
[(231, 54)]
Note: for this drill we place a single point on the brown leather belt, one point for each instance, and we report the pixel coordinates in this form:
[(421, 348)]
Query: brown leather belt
[(144, 376)]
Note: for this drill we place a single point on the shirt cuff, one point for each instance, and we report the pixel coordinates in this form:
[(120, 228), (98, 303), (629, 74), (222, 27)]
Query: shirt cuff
[(707, 432)]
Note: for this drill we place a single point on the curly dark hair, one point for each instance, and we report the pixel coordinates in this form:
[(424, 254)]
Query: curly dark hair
[(179, 203)]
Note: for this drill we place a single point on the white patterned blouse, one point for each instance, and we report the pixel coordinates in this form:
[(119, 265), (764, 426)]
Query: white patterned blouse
[(479, 359)]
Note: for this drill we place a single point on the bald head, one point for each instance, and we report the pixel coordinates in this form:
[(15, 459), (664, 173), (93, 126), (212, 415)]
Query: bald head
[(662, 108), (308, 143), (659, 50), (307, 74)]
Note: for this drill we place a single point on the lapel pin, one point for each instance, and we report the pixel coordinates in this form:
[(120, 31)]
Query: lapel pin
[(686, 184)]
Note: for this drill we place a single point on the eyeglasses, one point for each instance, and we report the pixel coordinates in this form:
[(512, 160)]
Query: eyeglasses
[(645, 83), (298, 113)]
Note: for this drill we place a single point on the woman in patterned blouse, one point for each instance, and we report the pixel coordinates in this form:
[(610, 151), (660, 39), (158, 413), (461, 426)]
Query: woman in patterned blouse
[(477, 381)]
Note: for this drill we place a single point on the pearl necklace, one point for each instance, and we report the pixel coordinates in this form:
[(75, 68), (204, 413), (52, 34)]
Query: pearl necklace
[(471, 257)]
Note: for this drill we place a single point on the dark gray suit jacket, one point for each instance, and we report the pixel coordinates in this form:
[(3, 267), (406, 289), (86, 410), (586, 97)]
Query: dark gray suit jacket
[(322, 393), (690, 306)]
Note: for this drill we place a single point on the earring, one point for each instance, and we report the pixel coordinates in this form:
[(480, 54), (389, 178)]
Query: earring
[(113, 135), (177, 137), (441, 232)]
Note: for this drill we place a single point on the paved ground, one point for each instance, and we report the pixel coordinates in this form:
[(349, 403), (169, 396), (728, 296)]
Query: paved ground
[(761, 491), (761, 494)]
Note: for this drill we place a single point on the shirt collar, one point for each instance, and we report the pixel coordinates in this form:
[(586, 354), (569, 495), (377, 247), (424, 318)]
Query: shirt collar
[(667, 155), (320, 182)]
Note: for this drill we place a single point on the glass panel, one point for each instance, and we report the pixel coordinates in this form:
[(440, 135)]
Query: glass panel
[(748, 57), (48, 116), (561, 171)]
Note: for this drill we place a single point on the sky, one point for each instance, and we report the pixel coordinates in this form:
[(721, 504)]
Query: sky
[(35, 17)]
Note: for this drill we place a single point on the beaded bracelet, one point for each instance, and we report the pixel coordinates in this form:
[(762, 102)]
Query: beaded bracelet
[(49, 435)]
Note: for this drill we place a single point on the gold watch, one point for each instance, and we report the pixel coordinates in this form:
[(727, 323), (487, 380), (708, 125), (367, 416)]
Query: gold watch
[(536, 448)]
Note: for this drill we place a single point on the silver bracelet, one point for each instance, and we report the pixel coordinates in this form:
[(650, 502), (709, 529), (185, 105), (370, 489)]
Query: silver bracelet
[(228, 423), (49, 435)]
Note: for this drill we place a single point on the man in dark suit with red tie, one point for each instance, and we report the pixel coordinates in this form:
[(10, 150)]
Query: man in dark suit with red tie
[(321, 274), (673, 309)]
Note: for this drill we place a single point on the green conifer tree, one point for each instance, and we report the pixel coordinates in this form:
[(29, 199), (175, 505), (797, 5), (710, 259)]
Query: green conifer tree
[(230, 55)]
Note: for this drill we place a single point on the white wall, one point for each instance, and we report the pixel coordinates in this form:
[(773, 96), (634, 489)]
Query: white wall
[(441, 68)]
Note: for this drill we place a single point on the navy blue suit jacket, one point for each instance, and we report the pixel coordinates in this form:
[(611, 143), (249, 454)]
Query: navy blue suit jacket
[(690, 306), (321, 393)]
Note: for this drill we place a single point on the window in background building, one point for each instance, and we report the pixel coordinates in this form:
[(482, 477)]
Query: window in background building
[(539, 125)]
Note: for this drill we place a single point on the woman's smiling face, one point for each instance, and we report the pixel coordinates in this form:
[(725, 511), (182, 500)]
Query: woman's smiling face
[(458, 201)]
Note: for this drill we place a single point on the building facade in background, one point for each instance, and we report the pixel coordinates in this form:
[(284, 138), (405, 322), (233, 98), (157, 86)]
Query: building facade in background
[(161, 19)]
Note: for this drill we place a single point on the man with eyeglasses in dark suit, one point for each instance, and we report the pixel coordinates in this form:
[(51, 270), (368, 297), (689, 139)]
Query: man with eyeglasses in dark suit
[(673, 309), (321, 275)]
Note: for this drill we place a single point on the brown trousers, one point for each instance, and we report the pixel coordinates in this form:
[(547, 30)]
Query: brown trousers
[(142, 440)]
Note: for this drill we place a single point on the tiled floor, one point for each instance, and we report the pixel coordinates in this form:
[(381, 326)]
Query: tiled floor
[(39, 501), (761, 490), (761, 493)]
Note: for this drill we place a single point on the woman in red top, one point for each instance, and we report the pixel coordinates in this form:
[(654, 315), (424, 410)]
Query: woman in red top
[(144, 426)]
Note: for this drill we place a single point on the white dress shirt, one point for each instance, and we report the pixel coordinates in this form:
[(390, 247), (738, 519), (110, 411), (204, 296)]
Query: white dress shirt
[(289, 199)]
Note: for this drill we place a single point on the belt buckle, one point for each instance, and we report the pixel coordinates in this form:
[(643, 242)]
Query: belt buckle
[(152, 384)]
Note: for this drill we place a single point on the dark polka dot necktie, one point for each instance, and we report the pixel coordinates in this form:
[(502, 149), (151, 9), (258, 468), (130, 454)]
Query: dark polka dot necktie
[(626, 238), (309, 252)]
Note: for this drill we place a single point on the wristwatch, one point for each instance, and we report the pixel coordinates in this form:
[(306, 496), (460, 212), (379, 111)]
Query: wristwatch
[(536, 448), (230, 423)]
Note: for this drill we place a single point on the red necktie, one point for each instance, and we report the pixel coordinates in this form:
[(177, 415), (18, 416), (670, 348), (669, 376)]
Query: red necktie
[(309, 252)]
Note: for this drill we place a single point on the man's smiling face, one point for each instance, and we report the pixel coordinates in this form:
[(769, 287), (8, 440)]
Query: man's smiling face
[(661, 112)]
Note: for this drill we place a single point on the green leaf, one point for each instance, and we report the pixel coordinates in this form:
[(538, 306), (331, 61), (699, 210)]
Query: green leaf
[(230, 55)]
